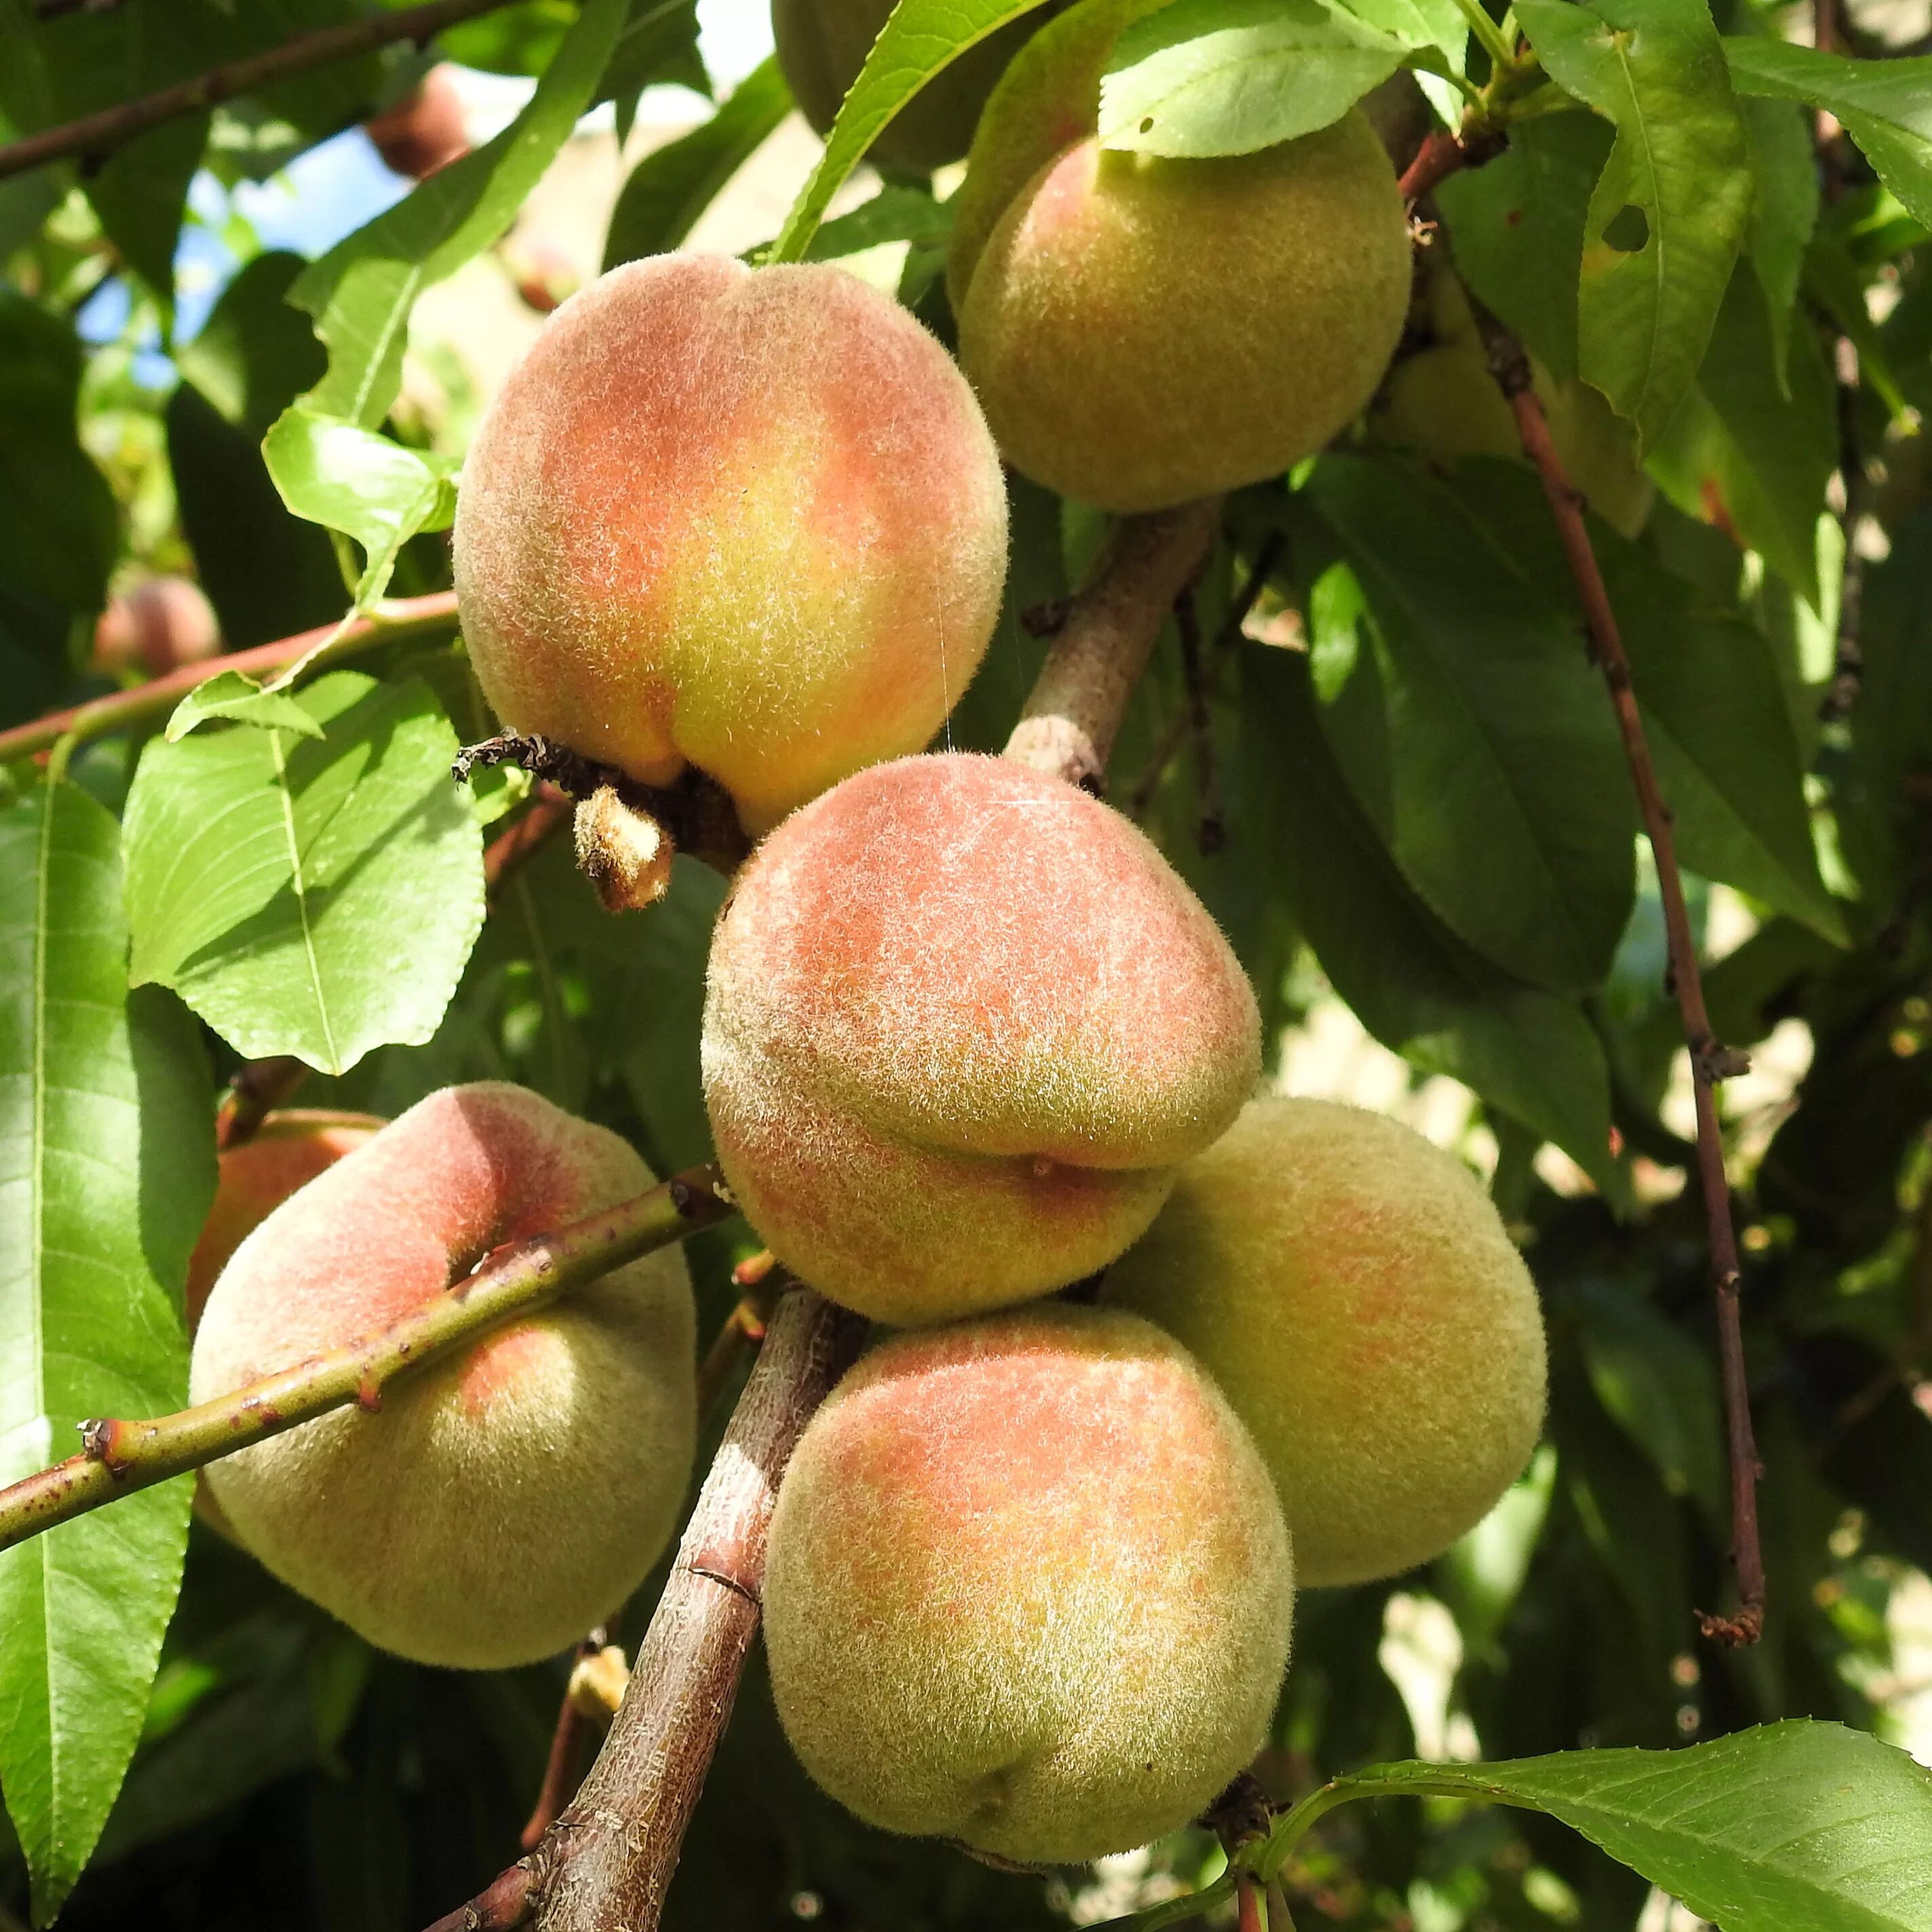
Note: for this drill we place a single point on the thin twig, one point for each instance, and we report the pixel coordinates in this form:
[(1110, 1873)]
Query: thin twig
[(397, 621), (566, 1749), (95, 136), (547, 813), (118, 1457), (504, 1903), (1225, 638), (1710, 1062), (255, 1090), (764, 1284), (695, 812)]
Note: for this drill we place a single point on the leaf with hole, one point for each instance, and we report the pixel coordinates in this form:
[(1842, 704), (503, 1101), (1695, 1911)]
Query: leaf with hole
[(1207, 77), (1670, 211)]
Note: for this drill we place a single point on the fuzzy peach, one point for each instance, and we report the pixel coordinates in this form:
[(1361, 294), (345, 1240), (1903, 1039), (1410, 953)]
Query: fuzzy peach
[(1028, 1587), (1142, 331), (822, 44), (1354, 1292), (500, 1501), (962, 1022), (750, 520), (289, 1150), (156, 626)]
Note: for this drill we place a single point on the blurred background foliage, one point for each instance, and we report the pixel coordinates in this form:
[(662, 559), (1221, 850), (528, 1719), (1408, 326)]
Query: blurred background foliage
[(287, 1776)]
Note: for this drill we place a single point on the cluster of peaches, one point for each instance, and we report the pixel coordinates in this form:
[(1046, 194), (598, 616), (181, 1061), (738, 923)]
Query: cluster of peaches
[(968, 1041)]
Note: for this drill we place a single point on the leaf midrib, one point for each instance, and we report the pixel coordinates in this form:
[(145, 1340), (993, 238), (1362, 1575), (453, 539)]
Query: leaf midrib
[(298, 880)]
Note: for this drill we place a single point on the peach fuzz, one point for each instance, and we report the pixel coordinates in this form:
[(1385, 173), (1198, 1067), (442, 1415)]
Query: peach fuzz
[(1352, 1288), (750, 520), (289, 1150), (962, 1023), (1028, 1587), (502, 1501), (1143, 331)]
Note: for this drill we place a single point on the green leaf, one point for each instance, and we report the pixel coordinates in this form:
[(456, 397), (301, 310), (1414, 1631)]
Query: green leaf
[(922, 38), (348, 478), (231, 695), (1517, 227), (894, 214), (1752, 451), (1417, 988), (1670, 211), (316, 898), (106, 1171), (673, 185), (1794, 1827), (361, 292), (1885, 105), (1475, 736), (1207, 77), (1714, 709), (1784, 209)]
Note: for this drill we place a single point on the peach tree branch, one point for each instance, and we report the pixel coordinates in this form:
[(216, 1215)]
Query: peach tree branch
[(1710, 1061), (96, 135), (119, 1457), (397, 621)]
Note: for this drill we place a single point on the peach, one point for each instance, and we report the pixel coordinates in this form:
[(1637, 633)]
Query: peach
[(962, 1022), (749, 521), (289, 1150), (155, 627), (426, 130), (502, 1501), (1143, 331), (1354, 1292), (822, 44), (1442, 402), (1028, 1587)]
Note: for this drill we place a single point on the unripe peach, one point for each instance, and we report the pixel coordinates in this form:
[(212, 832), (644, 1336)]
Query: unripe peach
[(748, 520), (1142, 331), (1443, 402), (1352, 1288), (962, 1023), (822, 44), (426, 130), (159, 624), (500, 1502), (1028, 1587), (289, 1150)]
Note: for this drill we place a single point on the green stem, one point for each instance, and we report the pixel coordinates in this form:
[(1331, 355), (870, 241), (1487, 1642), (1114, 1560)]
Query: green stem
[(1502, 55), (119, 1457)]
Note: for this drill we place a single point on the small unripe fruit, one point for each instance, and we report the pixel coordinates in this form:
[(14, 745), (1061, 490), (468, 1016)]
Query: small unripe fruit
[(156, 627), (1443, 402), (288, 1150), (822, 44), (962, 1022), (499, 1502), (1353, 1290), (426, 130), (1143, 331), (1028, 1587), (747, 520)]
